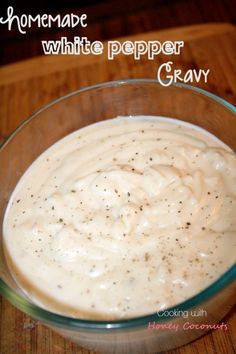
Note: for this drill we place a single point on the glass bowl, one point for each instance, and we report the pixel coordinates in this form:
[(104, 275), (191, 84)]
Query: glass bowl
[(154, 332)]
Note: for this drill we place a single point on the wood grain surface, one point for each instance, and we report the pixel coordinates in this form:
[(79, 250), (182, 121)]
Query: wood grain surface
[(28, 85), (108, 19)]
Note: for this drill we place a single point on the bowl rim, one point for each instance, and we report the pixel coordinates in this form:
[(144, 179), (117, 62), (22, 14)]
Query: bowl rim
[(98, 325), (199, 90)]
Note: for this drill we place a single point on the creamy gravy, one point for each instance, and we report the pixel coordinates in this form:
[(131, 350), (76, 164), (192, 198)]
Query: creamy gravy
[(123, 218)]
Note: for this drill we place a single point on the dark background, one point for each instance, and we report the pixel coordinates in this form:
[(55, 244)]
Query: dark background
[(106, 20)]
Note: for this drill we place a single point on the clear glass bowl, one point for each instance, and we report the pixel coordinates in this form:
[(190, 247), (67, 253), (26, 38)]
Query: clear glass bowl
[(86, 106)]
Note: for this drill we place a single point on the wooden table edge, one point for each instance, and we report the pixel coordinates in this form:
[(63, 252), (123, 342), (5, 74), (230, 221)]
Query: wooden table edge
[(47, 64)]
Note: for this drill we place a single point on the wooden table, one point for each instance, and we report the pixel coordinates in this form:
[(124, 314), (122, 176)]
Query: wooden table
[(27, 85)]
